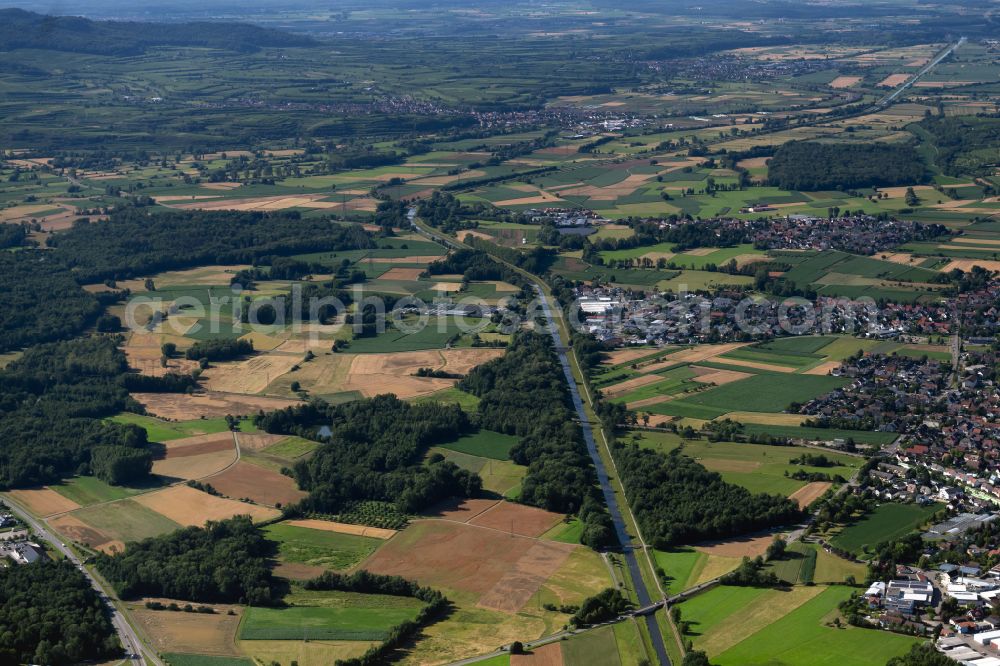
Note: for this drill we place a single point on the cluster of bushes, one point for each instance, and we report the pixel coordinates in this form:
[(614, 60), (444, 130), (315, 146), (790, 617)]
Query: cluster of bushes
[(603, 606), (751, 573), (220, 349), (373, 451), (223, 562), (173, 606), (677, 501), (524, 393)]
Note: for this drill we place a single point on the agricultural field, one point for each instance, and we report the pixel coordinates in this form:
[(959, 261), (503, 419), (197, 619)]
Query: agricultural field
[(887, 522), (337, 616), (757, 467), (750, 384), (320, 548), (760, 626)]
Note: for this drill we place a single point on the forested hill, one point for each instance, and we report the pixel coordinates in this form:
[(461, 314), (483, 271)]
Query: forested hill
[(21, 29)]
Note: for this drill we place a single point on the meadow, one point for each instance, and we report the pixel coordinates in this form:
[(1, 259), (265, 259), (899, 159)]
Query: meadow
[(888, 521), (757, 467), (320, 548), (343, 616)]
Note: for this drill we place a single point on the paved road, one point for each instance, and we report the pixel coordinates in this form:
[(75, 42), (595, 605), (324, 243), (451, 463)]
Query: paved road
[(126, 634), (888, 99)]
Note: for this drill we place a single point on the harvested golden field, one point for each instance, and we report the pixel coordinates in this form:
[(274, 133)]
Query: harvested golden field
[(823, 368), (263, 486), (693, 355), (43, 501), (198, 445), (845, 82), (647, 402), (627, 355), (540, 198), (262, 204), (967, 264), (401, 274), (630, 385), (467, 233), (809, 493), (343, 528), (257, 441), (765, 418), (183, 407), (195, 466), (718, 377), (739, 547), (199, 633), (144, 354), (250, 376), (189, 506), (373, 374), (753, 364), (304, 653)]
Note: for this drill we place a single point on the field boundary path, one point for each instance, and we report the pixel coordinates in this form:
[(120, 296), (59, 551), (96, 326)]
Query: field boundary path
[(136, 651)]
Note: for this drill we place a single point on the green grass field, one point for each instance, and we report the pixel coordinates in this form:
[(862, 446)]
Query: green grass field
[(485, 443), (87, 490), (597, 648), (761, 393), (756, 467), (451, 395), (319, 547), (344, 616), (435, 335), (291, 448), (682, 567), (163, 431), (566, 532), (126, 520), (499, 476), (801, 637), (887, 522), (826, 434), (710, 608)]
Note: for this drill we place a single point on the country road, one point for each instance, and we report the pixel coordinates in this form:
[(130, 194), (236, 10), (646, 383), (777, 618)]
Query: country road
[(126, 634)]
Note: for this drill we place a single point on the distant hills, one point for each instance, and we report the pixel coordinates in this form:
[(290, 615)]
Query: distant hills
[(20, 29)]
